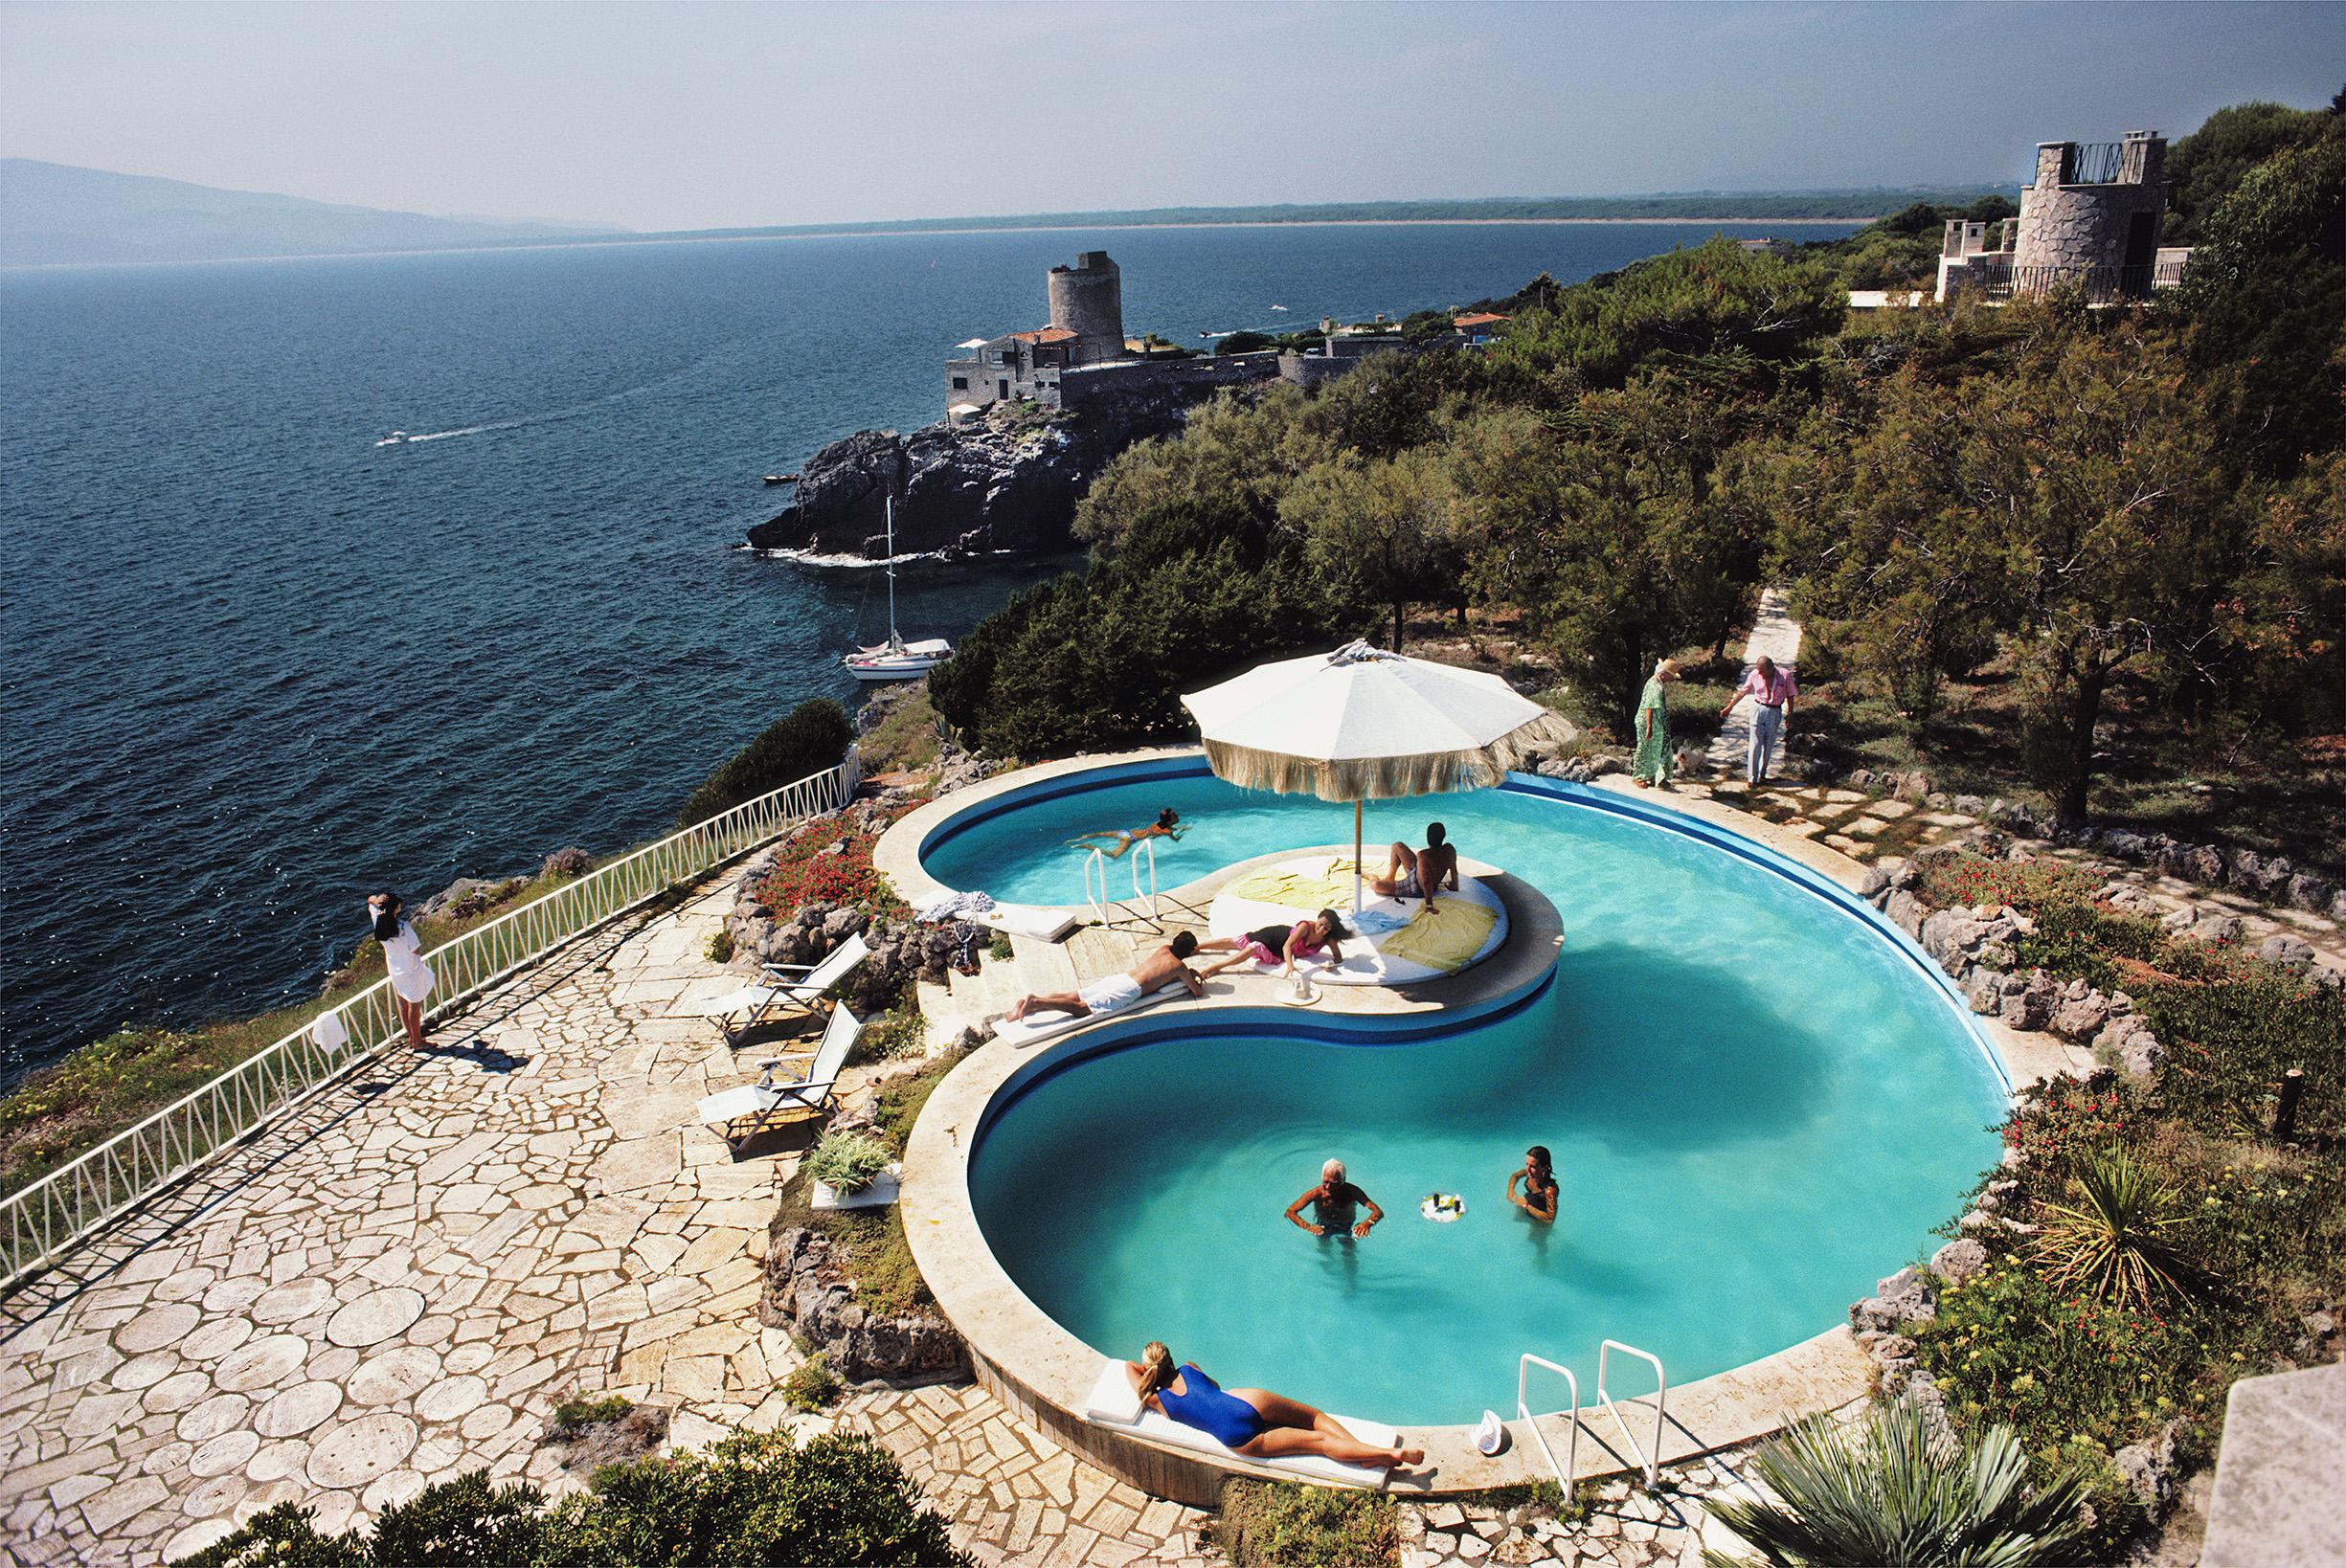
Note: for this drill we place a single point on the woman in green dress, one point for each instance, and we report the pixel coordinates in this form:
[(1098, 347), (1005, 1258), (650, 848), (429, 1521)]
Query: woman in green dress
[(1652, 764)]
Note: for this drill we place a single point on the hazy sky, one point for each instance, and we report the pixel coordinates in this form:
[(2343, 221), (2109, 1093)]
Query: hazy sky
[(674, 116)]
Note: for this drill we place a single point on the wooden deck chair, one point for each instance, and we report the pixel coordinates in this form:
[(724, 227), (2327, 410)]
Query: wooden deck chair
[(787, 990), (743, 1112)]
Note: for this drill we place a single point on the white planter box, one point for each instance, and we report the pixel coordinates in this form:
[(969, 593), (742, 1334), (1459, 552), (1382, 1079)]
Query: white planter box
[(878, 1195)]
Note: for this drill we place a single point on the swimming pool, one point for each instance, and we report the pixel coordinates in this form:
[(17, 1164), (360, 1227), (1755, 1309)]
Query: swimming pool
[(1759, 1101)]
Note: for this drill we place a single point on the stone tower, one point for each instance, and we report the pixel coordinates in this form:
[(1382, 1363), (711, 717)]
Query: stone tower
[(2093, 208), (1087, 300)]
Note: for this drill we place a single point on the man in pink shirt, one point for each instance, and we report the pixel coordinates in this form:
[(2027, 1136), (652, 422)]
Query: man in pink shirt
[(1771, 691)]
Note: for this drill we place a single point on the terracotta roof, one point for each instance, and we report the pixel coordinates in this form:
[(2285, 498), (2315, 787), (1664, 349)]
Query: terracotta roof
[(1480, 318), (1047, 334)]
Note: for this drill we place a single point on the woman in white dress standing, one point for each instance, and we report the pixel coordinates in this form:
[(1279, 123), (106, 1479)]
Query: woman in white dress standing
[(411, 978)]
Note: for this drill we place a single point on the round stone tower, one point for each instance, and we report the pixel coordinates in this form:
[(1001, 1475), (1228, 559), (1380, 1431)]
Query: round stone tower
[(2092, 209), (1087, 300)]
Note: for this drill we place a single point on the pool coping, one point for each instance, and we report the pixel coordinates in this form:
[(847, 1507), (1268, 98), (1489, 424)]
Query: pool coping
[(1045, 1373)]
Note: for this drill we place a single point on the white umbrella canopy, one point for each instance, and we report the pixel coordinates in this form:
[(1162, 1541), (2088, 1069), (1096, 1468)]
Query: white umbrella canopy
[(1361, 723)]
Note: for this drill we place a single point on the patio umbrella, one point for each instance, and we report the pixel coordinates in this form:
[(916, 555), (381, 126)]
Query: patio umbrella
[(1361, 723)]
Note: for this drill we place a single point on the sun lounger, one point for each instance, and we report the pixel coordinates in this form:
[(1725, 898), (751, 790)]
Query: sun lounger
[(1026, 920), (1113, 1406), (1032, 1030), (745, 1111), (787, 989)]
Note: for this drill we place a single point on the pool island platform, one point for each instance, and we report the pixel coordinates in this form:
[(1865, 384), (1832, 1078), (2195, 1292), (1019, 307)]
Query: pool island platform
[(1047, 1375)]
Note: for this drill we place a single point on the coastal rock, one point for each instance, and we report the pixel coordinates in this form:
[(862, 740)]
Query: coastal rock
[(1958, 1260), (2308, 891), (1904, 1297), (2215, 927), (2081, 1019), (1008, 482), (2128, 899)]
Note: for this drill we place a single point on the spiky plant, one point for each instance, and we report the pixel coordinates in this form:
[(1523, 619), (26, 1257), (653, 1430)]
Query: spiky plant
[(1888, 1490), (2119, 1242)]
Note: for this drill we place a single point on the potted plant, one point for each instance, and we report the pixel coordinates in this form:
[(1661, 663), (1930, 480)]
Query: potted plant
[(851, 1171)]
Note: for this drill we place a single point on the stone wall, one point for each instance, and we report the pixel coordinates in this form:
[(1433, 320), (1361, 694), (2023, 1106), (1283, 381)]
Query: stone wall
[(2083, 226)]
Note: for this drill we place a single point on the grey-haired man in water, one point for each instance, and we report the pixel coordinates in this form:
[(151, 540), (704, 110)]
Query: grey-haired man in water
[(1333, 1204)]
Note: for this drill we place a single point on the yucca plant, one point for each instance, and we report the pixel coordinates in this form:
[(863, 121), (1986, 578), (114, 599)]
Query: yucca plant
[(1887, 1489), (2118, 1242)]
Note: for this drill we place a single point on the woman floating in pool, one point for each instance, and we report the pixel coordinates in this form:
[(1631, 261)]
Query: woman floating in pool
[(1538, 1175), (1253, 1422), (1283, 945)]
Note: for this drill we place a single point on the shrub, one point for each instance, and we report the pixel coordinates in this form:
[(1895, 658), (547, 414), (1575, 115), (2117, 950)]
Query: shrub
[(2230, 1037), (848, 1162), (999, 950), (828, 861), (812, 1386), (1970, 878), (814, 737), (2118, 1241), (720, 949), (901, 1031), (1282, 1525), (567, 865), (753, 1499), (1886, 1489)]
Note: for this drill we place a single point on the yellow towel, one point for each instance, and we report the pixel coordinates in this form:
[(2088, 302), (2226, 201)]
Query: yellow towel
[(1290, 889), (1444, 938)]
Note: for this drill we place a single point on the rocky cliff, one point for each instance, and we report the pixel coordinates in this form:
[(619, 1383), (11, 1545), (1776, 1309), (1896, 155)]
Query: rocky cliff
[(1008, 482)]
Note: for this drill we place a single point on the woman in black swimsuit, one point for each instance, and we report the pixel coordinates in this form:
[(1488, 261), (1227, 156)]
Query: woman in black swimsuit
[(1540, 1193)]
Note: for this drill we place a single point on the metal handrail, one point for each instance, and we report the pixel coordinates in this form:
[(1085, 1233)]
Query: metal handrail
[(41, 1219), (1652, 1462), (1105, 909), (1571, 1447)]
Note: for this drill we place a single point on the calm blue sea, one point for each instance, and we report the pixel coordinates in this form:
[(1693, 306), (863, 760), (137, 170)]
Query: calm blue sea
[(250, 664)]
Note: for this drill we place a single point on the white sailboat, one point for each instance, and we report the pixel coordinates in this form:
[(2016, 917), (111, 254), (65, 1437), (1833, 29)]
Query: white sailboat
[(896, 659)]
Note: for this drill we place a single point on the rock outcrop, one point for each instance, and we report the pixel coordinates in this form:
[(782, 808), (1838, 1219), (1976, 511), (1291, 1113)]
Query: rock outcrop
[(809, 1292), (1008, 482)]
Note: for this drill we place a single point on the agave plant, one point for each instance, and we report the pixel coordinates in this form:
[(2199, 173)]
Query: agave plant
[(1889, 1490), (2118, 1241)]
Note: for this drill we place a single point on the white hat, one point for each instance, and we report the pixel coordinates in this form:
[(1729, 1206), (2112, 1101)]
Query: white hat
[(1489, 1435)]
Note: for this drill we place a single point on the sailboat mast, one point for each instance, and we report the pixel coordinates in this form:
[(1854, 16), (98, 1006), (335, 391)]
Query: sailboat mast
[(894, 637)]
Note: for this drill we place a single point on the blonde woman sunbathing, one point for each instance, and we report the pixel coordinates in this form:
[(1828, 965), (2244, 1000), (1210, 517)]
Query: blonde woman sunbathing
[(1112, 843), (1253, 1422)]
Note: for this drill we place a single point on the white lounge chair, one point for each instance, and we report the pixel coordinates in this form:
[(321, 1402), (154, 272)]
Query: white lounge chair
[(787, 989), (1026, 920), (755, 1103), (1112, 1404)]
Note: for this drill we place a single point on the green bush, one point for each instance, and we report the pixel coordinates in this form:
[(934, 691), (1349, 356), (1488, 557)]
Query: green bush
[(812, 1384), (720, 949), (580, 1411), (1000, 949), (900, 1031), (814, 737), (754, 1499), (848, 1162), (1282, 1525)]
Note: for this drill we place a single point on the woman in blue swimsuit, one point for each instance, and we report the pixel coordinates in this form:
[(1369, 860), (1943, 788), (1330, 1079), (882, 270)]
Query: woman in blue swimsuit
[(1253, 1422)]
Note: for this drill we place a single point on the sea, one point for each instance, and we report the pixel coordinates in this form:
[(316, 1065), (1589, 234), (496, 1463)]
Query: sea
[(252, 663)]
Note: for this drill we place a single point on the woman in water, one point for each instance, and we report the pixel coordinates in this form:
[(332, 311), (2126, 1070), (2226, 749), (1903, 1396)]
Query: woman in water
[(1253, 1422), (1538, 1175), (411, 978), (1280, 945), (1112, 843)]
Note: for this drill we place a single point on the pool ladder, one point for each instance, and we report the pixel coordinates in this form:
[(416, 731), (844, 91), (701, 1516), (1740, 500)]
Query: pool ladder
[(1110, 913), (1649, 1460)]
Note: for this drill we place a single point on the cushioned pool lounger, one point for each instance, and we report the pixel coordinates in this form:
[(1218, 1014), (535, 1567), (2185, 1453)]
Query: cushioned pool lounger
[(1114, 1404), (1031, 1031), (1026, 920)]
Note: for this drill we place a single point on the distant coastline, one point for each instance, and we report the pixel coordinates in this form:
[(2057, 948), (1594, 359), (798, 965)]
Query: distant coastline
[(609, 241)]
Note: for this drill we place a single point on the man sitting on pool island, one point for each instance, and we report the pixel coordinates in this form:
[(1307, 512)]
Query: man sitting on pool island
[(1334, 1202), (1119, 992), (1417, 873)]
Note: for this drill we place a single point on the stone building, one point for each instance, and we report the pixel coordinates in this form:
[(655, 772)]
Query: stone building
[(2089, 219), (1086, 328)]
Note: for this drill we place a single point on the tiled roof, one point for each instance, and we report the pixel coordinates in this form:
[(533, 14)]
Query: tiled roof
[(1480, 318), (1047, 334)]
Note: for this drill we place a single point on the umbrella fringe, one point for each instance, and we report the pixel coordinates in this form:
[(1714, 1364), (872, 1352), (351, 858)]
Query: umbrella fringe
[(1381, 778)]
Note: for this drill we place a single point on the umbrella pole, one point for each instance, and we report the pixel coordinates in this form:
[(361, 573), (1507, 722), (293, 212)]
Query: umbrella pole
[(1356, 857)]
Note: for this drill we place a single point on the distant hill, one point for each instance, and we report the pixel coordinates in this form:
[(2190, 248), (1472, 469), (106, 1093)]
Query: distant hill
[(56, 212)]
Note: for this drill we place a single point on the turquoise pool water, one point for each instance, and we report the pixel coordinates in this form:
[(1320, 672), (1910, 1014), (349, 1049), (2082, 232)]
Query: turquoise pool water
[(1757, 1105)]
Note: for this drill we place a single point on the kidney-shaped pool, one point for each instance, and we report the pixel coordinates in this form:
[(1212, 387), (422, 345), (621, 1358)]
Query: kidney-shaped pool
[(1757, 1097)]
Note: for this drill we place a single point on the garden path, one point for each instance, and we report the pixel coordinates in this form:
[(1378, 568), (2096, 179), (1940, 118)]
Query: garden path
[(1776, 635)]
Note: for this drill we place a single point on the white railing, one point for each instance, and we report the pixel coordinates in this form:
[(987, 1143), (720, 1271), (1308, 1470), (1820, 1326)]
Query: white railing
[(1106, 910), (40, 1221), (1523, 1409), (1649, 1460)]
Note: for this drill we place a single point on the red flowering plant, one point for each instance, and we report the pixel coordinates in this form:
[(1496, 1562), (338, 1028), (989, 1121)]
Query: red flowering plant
[(1969, 879), (828, 861), (2060, 1119)]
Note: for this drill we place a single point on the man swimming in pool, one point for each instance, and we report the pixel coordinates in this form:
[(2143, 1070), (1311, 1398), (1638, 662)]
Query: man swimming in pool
[(1118, 992), (1112, 843), (1419, 873), (1333, 1204), (1253, 1422)]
